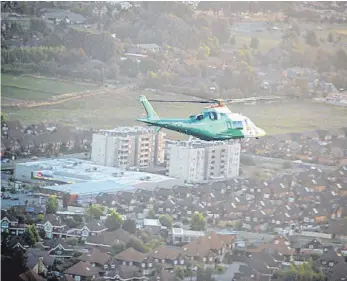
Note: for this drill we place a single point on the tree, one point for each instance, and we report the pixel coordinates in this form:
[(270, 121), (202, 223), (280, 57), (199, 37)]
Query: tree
[(52, 204), (3, 117), (204, 274), (340, 59), (129, 67), (198, 222), (308, 271), (254, 43), (287, 165), (130, 226), (13, 262), (220, 29), (151, 214), (31, 235), (232, 40), (117, 248), (40, 217), (137, 245), (148, 65), (330, 37), (311, 38), (39, 25), (95, 211), (166, 220), (113, 221)]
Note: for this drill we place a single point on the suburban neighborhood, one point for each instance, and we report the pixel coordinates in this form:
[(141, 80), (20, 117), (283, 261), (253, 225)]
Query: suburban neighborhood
[(89, 194)]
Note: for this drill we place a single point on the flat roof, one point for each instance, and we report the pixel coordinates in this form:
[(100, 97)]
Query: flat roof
[(91, 188), (77, 170)]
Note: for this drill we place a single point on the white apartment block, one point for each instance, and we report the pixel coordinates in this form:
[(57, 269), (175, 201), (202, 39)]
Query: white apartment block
[(198, 161), (126, 147)]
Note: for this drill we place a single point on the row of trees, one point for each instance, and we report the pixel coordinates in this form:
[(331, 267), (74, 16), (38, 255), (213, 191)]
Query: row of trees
[(198, 220)]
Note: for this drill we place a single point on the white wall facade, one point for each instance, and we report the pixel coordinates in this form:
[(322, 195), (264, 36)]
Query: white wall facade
[(208, 161), (135, 147)]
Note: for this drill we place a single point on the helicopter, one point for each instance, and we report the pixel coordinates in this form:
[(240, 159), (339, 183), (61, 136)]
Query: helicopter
[(215, 123)]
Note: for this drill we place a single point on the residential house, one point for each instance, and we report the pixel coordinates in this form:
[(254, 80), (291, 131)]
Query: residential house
[(93, 227), (11, 224), (124, 273), (96, 258), (338, 229), (279, 244), (58, 248), (108, 239), (315, 246), (181, 235), (256, 220), (207, 249), (31, 275), (152, 226), (330, 258), (150, 48), (167, 207), (182, 191), (83, 271), (132, 257), (337, 272), (39, 261), (168, 255), (52, 225), (163, 194)]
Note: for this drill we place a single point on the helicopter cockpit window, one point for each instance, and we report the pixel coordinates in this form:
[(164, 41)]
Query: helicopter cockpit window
[(199, 117), (237, 125), (213, 115)]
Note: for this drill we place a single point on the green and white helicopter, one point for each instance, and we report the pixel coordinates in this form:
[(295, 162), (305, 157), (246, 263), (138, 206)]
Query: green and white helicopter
[(215, 123)]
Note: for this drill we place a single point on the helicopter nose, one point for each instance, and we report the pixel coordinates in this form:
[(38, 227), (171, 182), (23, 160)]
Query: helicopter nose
[(260, 132)]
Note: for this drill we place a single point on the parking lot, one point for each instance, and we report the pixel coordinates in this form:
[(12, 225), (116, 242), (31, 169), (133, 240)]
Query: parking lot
[(8, 203)]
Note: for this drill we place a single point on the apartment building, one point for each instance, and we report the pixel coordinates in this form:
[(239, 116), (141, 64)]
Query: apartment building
[(198, 161), (126, 147)]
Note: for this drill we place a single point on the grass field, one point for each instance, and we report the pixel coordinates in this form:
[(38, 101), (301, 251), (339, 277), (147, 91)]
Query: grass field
[(122, 108), (37, 88), (265, 44)]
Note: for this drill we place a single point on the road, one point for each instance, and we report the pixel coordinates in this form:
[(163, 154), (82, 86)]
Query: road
[(298, 165)]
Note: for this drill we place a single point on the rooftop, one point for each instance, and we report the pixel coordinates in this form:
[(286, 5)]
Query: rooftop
[(75, 171), (91, 188), (200, 143), (125, 131)]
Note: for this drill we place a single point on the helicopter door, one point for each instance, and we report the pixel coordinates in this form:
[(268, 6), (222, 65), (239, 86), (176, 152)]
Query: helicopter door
[(213, 115)]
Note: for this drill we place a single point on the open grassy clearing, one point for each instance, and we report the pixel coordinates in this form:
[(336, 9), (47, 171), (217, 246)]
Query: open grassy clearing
[(38, 88), (122, 108), (265, 44), (24, 94)]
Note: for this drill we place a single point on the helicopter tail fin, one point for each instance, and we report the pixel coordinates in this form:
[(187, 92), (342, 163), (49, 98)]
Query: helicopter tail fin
[(151, 114)]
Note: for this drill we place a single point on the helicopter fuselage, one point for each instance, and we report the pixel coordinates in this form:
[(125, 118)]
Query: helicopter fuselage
[(213, 124)]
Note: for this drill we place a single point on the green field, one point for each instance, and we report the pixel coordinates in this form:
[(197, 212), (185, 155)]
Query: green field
[(265, 43), (117, 109), (37, 88)]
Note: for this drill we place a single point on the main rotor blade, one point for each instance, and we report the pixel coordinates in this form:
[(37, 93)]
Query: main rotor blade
[(183, 101)]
